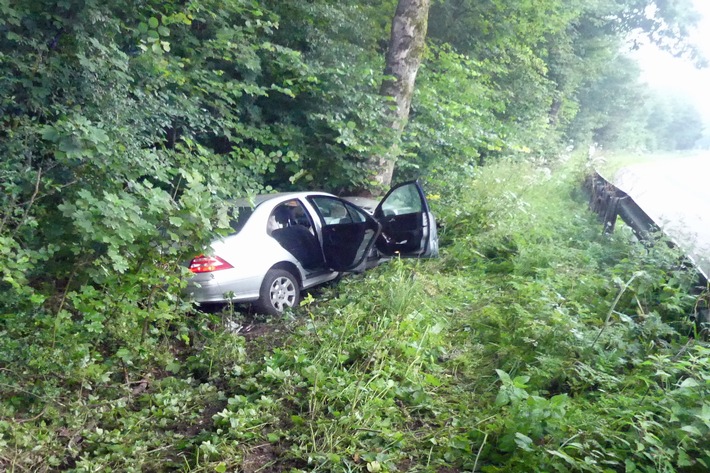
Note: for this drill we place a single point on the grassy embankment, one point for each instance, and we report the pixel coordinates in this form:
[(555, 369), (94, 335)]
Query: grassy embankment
[(534, 343)]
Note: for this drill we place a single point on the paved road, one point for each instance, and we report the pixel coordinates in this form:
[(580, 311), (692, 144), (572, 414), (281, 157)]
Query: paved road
[(675, 193)]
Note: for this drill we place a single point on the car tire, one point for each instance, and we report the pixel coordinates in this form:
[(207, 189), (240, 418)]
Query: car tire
[(279, 291)]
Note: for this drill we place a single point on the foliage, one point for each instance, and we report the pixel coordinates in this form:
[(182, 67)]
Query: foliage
[(337, 121), (452, 119), (534, 342), (123, 135), (609, 113), (126, 129), (675, 123), (559, 65)]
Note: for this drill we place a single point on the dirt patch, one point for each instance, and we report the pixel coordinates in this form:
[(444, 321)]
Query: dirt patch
[(262, 458), (256, 330), (204, 422), (263, 337)]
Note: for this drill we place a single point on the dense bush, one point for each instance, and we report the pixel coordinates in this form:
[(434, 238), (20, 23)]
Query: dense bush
[(126, 129), (534, 343)]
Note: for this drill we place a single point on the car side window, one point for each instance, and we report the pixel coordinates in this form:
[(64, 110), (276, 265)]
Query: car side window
[(334, 211), (403, 200), (288, 214)]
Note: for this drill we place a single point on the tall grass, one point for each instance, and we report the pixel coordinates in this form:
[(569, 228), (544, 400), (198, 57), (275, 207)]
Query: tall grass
[(535, 343)]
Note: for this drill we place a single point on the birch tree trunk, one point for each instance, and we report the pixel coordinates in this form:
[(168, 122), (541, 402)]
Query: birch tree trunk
[(404, 55)]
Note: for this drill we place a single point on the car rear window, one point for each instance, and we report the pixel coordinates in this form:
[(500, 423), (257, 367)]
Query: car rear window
[(241, 217)]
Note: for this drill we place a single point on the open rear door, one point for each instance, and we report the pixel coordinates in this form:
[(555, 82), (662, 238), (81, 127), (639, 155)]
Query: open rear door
[(408, 226), (348, 233)]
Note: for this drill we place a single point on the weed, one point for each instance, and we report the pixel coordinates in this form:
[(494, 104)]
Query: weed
[(535, 343)]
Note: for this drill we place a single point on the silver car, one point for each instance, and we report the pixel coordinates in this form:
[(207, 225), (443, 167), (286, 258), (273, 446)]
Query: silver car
[(293, 241)]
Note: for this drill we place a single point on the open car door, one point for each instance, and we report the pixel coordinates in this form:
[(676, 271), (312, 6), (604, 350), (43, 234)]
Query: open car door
[(408, 226), (348, 233)]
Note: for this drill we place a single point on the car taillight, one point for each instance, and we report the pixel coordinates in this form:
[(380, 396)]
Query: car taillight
[(207, 264)]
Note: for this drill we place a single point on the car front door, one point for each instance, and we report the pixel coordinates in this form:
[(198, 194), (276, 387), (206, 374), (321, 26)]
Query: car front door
[(348, 233), (408, 226)]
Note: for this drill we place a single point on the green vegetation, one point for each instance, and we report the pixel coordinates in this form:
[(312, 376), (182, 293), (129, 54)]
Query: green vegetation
[(674, 123), (534, 343)]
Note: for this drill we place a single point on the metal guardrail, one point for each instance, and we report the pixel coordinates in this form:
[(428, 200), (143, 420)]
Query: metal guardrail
[(610, 202)]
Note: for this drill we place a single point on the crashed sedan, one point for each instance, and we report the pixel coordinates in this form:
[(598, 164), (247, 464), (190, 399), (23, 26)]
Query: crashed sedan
[(289, 242)]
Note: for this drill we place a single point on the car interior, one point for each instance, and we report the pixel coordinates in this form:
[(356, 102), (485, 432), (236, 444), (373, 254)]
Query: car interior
[(290, 226)]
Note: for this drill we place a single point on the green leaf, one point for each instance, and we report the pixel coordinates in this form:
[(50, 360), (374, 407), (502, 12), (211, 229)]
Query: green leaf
[(504, 377), (125, 355), (684, 459), (689, 383), (523, 441), (153, 22), (521, 381), (50, 133), (563, 455), (692, 430), (297, 420), (433, 380)]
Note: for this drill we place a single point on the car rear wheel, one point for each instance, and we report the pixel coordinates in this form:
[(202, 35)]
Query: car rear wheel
[(279, 291)]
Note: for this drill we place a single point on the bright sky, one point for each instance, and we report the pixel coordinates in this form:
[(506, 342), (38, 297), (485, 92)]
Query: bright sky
[(663, 71)]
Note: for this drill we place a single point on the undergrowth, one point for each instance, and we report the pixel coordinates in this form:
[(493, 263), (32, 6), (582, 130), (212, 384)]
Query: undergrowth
[(535, 343)]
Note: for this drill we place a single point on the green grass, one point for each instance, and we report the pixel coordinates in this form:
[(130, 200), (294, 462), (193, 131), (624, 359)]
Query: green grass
[(535, 343)]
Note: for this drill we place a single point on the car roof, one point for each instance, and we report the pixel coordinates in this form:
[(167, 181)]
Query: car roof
[(276, 197), (273, 199)]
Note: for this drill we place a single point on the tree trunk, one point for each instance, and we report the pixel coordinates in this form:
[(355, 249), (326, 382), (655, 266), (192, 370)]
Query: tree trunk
[(404, 55)]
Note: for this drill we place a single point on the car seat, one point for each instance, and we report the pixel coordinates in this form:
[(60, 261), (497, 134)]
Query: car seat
[(297, 239)]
